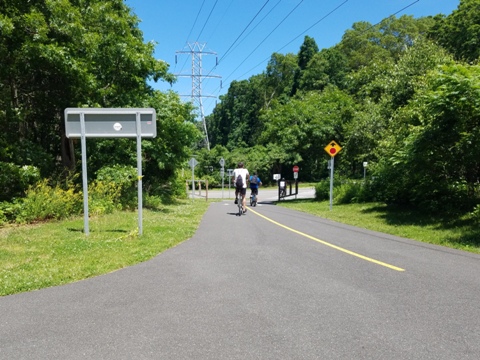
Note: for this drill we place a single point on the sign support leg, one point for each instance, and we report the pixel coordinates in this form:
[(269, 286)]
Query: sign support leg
[(331, 183), (139, 172), (84, 174)]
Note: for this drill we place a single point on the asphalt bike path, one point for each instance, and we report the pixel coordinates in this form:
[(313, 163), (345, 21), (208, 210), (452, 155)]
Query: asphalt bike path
[(272, 284)]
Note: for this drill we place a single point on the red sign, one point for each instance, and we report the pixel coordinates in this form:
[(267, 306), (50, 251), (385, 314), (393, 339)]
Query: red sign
[(296, 168)]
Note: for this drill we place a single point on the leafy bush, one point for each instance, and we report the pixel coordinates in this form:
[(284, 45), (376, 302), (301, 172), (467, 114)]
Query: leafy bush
[(345, 191), (152, 202), (322, 190), (43, 202), (103, 197), (115, 187), (15, 180), (348, 192), (170, 189), (3, 217)]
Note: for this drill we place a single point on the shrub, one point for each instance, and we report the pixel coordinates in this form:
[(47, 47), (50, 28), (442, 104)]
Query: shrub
[(103, 197), (43, 202), (15, 180), (322, 190), (118, 183), (348, 192), (170, 189), (345, 191)]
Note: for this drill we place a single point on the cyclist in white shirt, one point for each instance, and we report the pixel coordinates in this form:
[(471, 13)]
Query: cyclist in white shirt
[(240, 177)]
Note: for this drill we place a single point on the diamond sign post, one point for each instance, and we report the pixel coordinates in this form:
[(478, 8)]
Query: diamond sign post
[(332, 149)]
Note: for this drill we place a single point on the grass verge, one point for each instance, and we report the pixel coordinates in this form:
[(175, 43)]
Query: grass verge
[(460, 233), (54, 253)]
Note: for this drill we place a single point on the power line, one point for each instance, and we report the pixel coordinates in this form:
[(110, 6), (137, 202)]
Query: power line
[(219, 22), (399, 11), (190, 33), (316, 23), (280, 23), (206, 21), (266, 15), (246, 27)]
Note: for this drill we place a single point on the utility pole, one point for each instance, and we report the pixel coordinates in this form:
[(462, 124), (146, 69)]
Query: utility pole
[(196, 50)]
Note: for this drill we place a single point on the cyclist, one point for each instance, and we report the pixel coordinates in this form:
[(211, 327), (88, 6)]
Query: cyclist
[(240, 176), (255, 182)]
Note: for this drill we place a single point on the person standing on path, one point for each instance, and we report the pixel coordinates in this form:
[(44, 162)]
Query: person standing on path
[(240, 177)]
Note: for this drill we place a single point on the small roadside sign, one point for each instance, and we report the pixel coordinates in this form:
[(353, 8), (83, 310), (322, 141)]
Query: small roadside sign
[(332, 148), (193, 162)]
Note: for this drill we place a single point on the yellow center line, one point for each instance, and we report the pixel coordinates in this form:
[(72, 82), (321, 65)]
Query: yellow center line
[(330, 245)]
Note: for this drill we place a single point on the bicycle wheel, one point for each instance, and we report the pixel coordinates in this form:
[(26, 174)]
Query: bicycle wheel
[(239, 201)]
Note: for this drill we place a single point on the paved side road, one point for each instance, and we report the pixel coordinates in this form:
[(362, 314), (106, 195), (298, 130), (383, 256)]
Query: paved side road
[(249, 288)]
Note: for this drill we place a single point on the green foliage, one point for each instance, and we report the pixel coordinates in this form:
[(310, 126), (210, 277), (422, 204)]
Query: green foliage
[(431, 157), (322, 190), (15, 180), (459, 32), (329, 66), (59, 54), (345, 191), (177, 134), (234, 123), (104, 197), (45, 202), (385, 93), (301, 128), (116, 185)]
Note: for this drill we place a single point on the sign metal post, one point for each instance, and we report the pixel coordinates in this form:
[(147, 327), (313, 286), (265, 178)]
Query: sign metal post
[(193, 162), (332, 149), (222, 171)]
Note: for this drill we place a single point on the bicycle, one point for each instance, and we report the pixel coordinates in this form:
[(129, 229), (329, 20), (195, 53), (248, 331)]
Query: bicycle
[(253, 199), (239, 203)]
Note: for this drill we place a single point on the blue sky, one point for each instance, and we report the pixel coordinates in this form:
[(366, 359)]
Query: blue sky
[(245, 33)]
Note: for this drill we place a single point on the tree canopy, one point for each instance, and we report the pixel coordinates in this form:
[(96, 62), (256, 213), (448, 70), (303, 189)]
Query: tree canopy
[(401, 95), (83, 53)]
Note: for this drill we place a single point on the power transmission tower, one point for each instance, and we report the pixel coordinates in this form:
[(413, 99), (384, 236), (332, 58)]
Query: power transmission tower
[(196, 50)]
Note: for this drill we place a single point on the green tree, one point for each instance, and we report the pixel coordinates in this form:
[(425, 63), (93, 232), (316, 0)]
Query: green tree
[(234, 123), (365, 44), (279, 77), (459, 32), (432, 158), (328, 66), (307, 51), (305, 125), (57, 54)]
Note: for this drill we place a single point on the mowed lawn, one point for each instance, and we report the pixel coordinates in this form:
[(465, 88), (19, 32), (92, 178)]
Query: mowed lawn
[(58, 252)]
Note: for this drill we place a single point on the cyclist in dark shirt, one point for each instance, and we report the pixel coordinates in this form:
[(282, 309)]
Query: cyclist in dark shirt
[(255, 182)]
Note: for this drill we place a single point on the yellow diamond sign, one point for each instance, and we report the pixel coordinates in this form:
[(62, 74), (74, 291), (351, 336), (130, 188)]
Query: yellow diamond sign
[(333, 148)]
